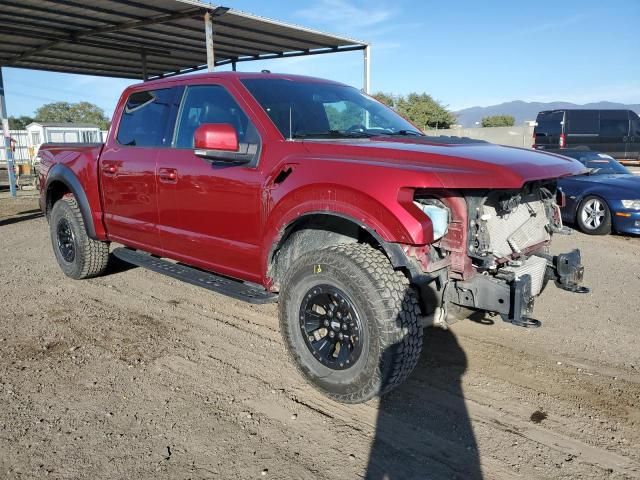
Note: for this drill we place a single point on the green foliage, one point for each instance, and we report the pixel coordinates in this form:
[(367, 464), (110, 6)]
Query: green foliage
[(81, 112), (384, 98), (343, 115), (19, 123), (498, 121), (425, 112)]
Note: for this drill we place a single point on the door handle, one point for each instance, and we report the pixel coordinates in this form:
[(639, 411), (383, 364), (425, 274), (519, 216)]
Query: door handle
[(109, 169), (168, 175)]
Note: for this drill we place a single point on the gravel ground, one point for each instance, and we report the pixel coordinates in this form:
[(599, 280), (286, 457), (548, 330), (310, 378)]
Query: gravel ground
[(135, 375)]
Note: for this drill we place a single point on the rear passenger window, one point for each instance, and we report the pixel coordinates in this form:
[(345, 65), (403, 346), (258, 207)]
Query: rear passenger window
[(549, 123), (614, 123), (583, 122), (146, 120)]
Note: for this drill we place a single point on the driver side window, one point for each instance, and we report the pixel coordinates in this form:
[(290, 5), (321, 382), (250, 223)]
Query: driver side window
[(211, 104)]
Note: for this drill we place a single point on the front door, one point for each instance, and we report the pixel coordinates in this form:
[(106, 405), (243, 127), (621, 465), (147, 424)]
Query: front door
[(210, 212), (128, 168)]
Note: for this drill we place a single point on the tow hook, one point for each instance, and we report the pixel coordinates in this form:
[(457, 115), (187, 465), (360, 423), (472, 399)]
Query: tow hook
[(569, 272)]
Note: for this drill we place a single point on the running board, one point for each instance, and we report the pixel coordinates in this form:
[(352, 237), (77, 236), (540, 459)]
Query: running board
[(249, 292)]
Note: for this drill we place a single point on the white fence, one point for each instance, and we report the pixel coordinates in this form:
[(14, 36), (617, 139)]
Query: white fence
[(516, 136), (24, 152)]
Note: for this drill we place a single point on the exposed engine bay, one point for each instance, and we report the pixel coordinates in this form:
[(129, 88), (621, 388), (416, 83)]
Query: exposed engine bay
[(508, 237)]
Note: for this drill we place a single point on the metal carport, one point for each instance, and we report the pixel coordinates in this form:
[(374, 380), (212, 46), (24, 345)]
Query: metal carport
[(146, 39)]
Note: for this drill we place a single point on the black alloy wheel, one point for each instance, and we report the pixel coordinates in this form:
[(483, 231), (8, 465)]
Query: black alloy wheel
[(331, 327), (66, 240)]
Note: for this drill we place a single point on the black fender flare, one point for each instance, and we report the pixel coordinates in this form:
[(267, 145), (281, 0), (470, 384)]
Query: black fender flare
[(63, 174), (394, 251)]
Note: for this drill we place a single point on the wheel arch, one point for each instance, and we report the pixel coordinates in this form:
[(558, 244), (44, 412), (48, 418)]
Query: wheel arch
[(319, 229), (61, 181)]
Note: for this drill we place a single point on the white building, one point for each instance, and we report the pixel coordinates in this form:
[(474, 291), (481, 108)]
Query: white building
[(45, 132)]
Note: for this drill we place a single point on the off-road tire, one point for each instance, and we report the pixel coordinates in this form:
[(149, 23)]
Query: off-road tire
[(605, 227), (90, 256), (388, 309)]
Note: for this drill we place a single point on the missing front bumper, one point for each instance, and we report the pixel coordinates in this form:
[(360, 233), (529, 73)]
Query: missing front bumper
[(510, 294)]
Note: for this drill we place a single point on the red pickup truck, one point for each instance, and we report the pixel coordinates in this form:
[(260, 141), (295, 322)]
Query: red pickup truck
[(307, 192)]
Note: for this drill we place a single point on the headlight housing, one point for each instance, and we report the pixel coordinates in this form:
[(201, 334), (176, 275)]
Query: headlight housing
[(631, 204), (437, 213)]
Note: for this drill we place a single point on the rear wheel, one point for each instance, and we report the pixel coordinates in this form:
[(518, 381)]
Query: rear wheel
[(351, 323), (594, 216), (78, 255)]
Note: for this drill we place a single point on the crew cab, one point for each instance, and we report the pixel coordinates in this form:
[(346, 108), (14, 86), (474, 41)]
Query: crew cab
[(308, 192)]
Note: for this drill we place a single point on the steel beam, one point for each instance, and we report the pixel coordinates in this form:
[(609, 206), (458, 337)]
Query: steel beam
[(271, 56), (4, 118), (144, 65), (367, 69), (211, 55)]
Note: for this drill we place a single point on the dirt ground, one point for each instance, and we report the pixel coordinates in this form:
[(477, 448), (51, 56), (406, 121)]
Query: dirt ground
[(135, 375)]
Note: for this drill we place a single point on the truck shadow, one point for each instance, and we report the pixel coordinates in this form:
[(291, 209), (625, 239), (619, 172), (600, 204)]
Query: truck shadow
[(423, 429), (21, 217)]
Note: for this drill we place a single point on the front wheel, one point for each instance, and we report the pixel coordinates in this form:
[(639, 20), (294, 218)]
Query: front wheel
[(594, 216), (78, 255), (350, 322)]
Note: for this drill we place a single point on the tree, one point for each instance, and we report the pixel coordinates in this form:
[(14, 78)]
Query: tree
[(19, 123), (385, 98), (344, 115), (425, 112), (82, 112), (498, 121)]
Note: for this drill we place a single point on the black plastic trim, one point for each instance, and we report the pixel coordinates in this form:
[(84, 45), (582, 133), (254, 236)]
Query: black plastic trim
[(63, 174)]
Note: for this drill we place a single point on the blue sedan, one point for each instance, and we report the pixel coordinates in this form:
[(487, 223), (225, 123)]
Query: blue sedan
[(605, 198)]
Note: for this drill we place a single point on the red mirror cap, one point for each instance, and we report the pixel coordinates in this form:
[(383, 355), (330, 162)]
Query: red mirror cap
[(216, 136)]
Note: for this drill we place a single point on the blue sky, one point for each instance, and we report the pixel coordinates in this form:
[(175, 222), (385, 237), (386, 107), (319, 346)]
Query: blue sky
[(463, 52)]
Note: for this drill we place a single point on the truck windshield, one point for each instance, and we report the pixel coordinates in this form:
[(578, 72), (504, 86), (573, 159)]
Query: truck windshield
[(324, 110)]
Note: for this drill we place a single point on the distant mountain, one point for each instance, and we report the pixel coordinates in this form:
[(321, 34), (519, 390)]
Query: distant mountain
[(523, 111)]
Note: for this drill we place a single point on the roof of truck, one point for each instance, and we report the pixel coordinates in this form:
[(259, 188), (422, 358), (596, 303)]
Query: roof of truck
[(194, 78)]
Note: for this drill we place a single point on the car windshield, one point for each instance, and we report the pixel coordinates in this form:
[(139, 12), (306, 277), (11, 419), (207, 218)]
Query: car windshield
[(307, 109), (598, 163)]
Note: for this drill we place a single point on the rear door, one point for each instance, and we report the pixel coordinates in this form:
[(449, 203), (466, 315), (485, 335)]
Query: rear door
[(548, 129), (128, 167), (614, 132), (582, 128)]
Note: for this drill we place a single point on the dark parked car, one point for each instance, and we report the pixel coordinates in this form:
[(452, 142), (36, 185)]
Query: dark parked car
[(605, 198), (614, 132)]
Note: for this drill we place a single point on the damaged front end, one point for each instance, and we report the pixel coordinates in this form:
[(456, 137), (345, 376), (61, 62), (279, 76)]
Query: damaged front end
[(506, 262)]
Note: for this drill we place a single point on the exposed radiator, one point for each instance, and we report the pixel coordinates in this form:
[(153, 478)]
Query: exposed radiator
[(534, 266), (523, 227)]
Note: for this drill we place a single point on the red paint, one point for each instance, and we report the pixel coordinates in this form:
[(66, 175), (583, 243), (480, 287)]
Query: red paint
[(226, 217), (216, 136)]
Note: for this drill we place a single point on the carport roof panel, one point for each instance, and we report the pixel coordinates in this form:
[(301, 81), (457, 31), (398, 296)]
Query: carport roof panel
[(109, 37)]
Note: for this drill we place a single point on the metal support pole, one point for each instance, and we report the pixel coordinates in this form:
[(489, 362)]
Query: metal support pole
[(233, 66), (4, 118), (144, 66), (367, 69), (208, 28)]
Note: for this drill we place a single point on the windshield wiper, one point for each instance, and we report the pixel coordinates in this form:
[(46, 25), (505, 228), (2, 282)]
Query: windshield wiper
[(403, 133), (332, 134)]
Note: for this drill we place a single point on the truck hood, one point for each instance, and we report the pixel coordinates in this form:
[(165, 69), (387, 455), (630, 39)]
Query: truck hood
[(456, 165)]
